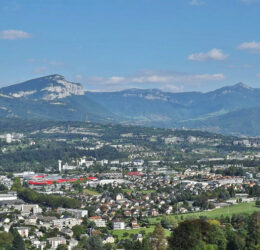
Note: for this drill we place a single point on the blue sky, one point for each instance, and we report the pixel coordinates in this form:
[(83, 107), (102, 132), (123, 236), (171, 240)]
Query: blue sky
[(174, 45)]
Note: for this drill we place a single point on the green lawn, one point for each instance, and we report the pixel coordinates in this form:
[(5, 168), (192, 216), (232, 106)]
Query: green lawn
[(119, 233), (247, 208), (127, 190), (90, 192), (148, 191)]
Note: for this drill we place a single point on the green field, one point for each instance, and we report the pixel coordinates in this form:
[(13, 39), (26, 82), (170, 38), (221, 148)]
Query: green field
[(127, 190), (90, 192), (247, 208), (119, 233), (148, 191)]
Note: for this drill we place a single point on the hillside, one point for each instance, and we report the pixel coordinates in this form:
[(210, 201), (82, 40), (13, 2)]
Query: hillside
[(241, 122), (231, 109), (51, 98)]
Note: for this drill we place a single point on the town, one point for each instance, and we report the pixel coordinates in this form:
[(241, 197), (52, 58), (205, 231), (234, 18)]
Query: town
[(114, 184)]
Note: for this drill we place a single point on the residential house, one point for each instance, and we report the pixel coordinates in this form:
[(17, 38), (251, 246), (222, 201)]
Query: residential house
[(56, 241), (118, 224), (23, 231), (98, 221)]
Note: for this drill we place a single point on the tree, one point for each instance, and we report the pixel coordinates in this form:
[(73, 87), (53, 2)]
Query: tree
[(53, 201), (108, 246), (137, 245), (169, 222), (78, 230), (77, 185), (126, 244), (52, 232), (91, 211), (16, 184), (62, 247), (186, 235), (145, 244), (254, 230), (216, 237), (125, 234), (159, 241), (197, 233), (18, 243), (211, 205), (224, 195), (6, 240), (234, 241), (87, 223), (231, 191), (93, 243), (3, 187)]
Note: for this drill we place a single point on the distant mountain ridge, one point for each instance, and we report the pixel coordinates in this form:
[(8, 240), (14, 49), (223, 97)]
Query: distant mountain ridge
[(46, 88), (54, 98), (240, 122)]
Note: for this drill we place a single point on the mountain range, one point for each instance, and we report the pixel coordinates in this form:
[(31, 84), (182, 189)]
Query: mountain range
[(230, 110)]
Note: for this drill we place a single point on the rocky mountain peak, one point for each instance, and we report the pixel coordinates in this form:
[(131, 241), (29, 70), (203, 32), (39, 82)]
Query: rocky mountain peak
[(240, 85), (59, 88), (47, 88)]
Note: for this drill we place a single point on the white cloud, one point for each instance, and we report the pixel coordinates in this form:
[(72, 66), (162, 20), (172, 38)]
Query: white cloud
[(14, 34), (243, 66), (40, 70), (250, 46), (153, 79), (196, 2), (158, 78), (177, 78), (56, 63), (214, 55), (108, 80), (167, 81), (115, 79), (209, 77), (172, 88)]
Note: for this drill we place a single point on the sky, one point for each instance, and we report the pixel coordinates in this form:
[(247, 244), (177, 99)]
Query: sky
[(109, 45)]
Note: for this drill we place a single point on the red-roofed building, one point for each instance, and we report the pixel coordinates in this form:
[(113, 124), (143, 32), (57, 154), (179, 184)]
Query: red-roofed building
[(134, 174), (92, 178)]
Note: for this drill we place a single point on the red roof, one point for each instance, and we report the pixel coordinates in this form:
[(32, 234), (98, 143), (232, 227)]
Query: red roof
[(134, 174), (40, 176), (49, 182), (92, 178), (95, 218)]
